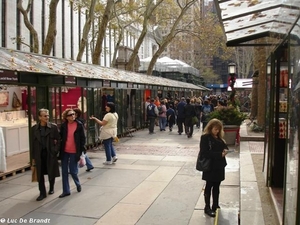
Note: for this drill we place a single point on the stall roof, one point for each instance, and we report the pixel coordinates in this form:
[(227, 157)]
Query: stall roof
[(166, 64), (30, 62), (247, 20)]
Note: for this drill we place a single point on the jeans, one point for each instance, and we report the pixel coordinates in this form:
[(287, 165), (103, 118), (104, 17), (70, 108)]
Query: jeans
[(109, 149), (69, 162), (162, 123), (88, 164)]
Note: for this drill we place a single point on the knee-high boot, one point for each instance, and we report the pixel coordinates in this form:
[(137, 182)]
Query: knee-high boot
[(207, 208), (215, 204)]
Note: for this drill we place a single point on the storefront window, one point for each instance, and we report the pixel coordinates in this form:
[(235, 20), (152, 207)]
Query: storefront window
[(292, 172)]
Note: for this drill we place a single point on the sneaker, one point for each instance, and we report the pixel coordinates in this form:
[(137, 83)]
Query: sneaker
[(114, 159), (107, 162)]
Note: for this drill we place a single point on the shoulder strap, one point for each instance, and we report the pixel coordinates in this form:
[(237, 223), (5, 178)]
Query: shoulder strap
[(114, 115)]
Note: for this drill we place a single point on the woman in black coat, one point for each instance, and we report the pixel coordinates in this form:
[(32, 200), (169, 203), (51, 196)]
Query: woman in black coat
[(45, 142), (213, 146)]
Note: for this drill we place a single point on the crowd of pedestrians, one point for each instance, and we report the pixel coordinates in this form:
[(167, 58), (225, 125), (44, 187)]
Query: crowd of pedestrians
[(67, 144), (167, 112)]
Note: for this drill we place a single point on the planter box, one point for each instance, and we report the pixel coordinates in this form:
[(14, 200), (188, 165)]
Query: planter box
[(232, 134)]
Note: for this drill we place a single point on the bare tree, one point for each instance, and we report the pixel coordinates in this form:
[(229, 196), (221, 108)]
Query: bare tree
[(151, 5), (174, 30), (244, 57), (86, 30), (123, 17), (51, 34), (33, 33), (102, 31)]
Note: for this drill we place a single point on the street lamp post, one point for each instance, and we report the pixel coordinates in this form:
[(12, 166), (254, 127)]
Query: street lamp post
[(231, 81)]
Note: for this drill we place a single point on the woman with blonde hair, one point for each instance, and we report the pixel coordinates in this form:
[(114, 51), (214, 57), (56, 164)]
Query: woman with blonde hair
[(213, 146)]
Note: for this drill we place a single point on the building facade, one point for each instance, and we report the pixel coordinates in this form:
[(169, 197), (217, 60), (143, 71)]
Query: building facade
[(70, 22)]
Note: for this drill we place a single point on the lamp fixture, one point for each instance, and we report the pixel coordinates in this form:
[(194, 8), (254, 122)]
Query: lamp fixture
[(231, 68), (269, 68)]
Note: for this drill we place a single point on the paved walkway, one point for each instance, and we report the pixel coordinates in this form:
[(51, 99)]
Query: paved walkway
[(153, 182)]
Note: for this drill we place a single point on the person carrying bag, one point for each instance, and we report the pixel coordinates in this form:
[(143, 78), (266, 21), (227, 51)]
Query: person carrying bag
[(214, 149)]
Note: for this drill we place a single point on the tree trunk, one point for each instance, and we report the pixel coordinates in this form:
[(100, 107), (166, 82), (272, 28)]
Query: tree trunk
[(254, 96), (33, 33), (147, 14), (120, 38), (86, 30), (51, 28), (261, 109), (167, 39), (259, 87), (102, 31), (159, 51)]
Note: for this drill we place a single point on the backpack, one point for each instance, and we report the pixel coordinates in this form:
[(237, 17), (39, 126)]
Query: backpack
[(206, 109), (160, 110)]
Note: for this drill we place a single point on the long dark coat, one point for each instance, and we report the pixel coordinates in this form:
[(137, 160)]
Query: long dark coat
[(215, 154), (189, 112), (52, 144), (79, 138)]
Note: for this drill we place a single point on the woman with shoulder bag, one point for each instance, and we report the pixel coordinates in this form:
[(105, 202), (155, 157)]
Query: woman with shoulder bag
[(213, 147), (108, 132)]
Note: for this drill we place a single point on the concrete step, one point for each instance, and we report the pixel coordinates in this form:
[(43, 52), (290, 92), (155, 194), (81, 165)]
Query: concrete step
[(227, 216)]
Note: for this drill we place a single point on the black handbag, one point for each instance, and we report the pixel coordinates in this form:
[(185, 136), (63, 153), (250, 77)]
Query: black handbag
[(203, 164)]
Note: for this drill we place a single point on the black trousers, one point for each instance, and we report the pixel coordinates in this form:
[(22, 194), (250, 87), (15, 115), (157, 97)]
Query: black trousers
[(44, 170), (214, 188), (151, 124), (180, 124), (42, 186)]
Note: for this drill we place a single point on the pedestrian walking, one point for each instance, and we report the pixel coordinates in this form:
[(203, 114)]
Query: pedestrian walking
[(206, 109), (152, 113), (213, 146), (146, 105), (108, 132), (180, 115), (171, 117), (78, 113), (198, 107), (162, 116), (189, 113), (72, 147), (45, 142)]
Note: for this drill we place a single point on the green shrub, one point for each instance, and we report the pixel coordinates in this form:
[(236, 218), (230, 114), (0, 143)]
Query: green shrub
[(229, 115)]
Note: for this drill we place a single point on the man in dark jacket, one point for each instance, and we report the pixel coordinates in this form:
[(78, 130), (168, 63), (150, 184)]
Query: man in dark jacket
[(152, 113), (180, 115), (189, 112), (72, 146), (45, 142)]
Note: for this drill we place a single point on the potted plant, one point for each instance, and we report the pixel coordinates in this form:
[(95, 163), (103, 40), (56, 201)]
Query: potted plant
[(229, 115), (232, 119)]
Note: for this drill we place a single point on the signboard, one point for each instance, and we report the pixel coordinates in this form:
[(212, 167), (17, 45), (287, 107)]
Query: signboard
[(106, 83), (8, 76), (70, 80)]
